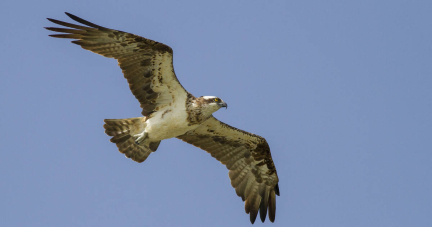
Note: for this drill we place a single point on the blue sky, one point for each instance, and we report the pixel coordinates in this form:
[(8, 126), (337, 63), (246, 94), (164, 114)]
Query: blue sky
[(341, 90)]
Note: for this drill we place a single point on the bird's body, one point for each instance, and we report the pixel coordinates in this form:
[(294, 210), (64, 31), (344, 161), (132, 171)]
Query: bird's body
[(174, 120), (170, 111), (168, 123)]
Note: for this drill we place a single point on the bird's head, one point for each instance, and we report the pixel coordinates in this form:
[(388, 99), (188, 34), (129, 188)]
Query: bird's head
[(210, 104)]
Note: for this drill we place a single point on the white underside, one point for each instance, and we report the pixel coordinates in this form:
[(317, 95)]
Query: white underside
[(165, 125), (170, 120)]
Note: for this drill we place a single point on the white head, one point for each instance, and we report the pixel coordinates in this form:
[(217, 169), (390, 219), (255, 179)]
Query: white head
[(210, 104)]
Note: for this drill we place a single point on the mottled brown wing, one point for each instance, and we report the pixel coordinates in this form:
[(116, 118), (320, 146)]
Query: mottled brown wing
[(247, 156), (146, 64)]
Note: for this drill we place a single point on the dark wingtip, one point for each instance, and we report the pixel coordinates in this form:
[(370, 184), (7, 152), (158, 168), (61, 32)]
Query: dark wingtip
[(253, 217), (263, 214), (77, 42), (82, 21), (71, 15), (276, 188)]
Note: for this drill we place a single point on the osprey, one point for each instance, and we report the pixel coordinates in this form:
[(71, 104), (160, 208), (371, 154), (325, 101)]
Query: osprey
[(170, 111)]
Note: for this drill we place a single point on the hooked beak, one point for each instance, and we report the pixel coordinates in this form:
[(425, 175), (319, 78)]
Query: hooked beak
[(223, 105)]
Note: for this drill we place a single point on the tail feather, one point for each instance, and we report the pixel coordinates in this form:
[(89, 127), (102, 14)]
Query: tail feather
[(122, 131)]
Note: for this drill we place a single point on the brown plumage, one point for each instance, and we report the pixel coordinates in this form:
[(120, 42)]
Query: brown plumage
[(143, 61), (248, 158), (121, 131), (147, 66)]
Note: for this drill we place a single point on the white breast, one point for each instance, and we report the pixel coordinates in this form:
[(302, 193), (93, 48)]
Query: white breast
[(168, 122)]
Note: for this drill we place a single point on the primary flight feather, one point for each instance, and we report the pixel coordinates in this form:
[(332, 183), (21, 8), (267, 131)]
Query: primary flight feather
[(170, 111)]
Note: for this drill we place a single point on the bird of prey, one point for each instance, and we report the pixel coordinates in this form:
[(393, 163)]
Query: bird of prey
[(169, 111)]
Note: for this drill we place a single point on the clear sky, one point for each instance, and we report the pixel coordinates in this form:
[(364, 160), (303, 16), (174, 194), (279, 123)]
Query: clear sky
[(341, 90)]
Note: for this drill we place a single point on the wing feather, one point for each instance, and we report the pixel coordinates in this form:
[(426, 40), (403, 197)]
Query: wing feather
[(264, 191), (145, 63), (247, 156)]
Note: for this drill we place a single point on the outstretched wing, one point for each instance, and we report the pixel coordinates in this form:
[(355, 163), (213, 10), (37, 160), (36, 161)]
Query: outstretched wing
[(247, 156), (146, 64)]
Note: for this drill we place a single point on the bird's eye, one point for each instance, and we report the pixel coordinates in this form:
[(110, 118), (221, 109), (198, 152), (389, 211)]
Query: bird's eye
[(216, 100)]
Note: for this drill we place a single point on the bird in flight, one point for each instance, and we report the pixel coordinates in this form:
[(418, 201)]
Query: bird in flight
[(169, 111)]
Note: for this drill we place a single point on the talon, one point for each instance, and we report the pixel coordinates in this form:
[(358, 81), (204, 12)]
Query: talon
[(139, 138)]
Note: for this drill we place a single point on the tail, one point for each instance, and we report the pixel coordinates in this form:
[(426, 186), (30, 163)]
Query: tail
[(122, 132)]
